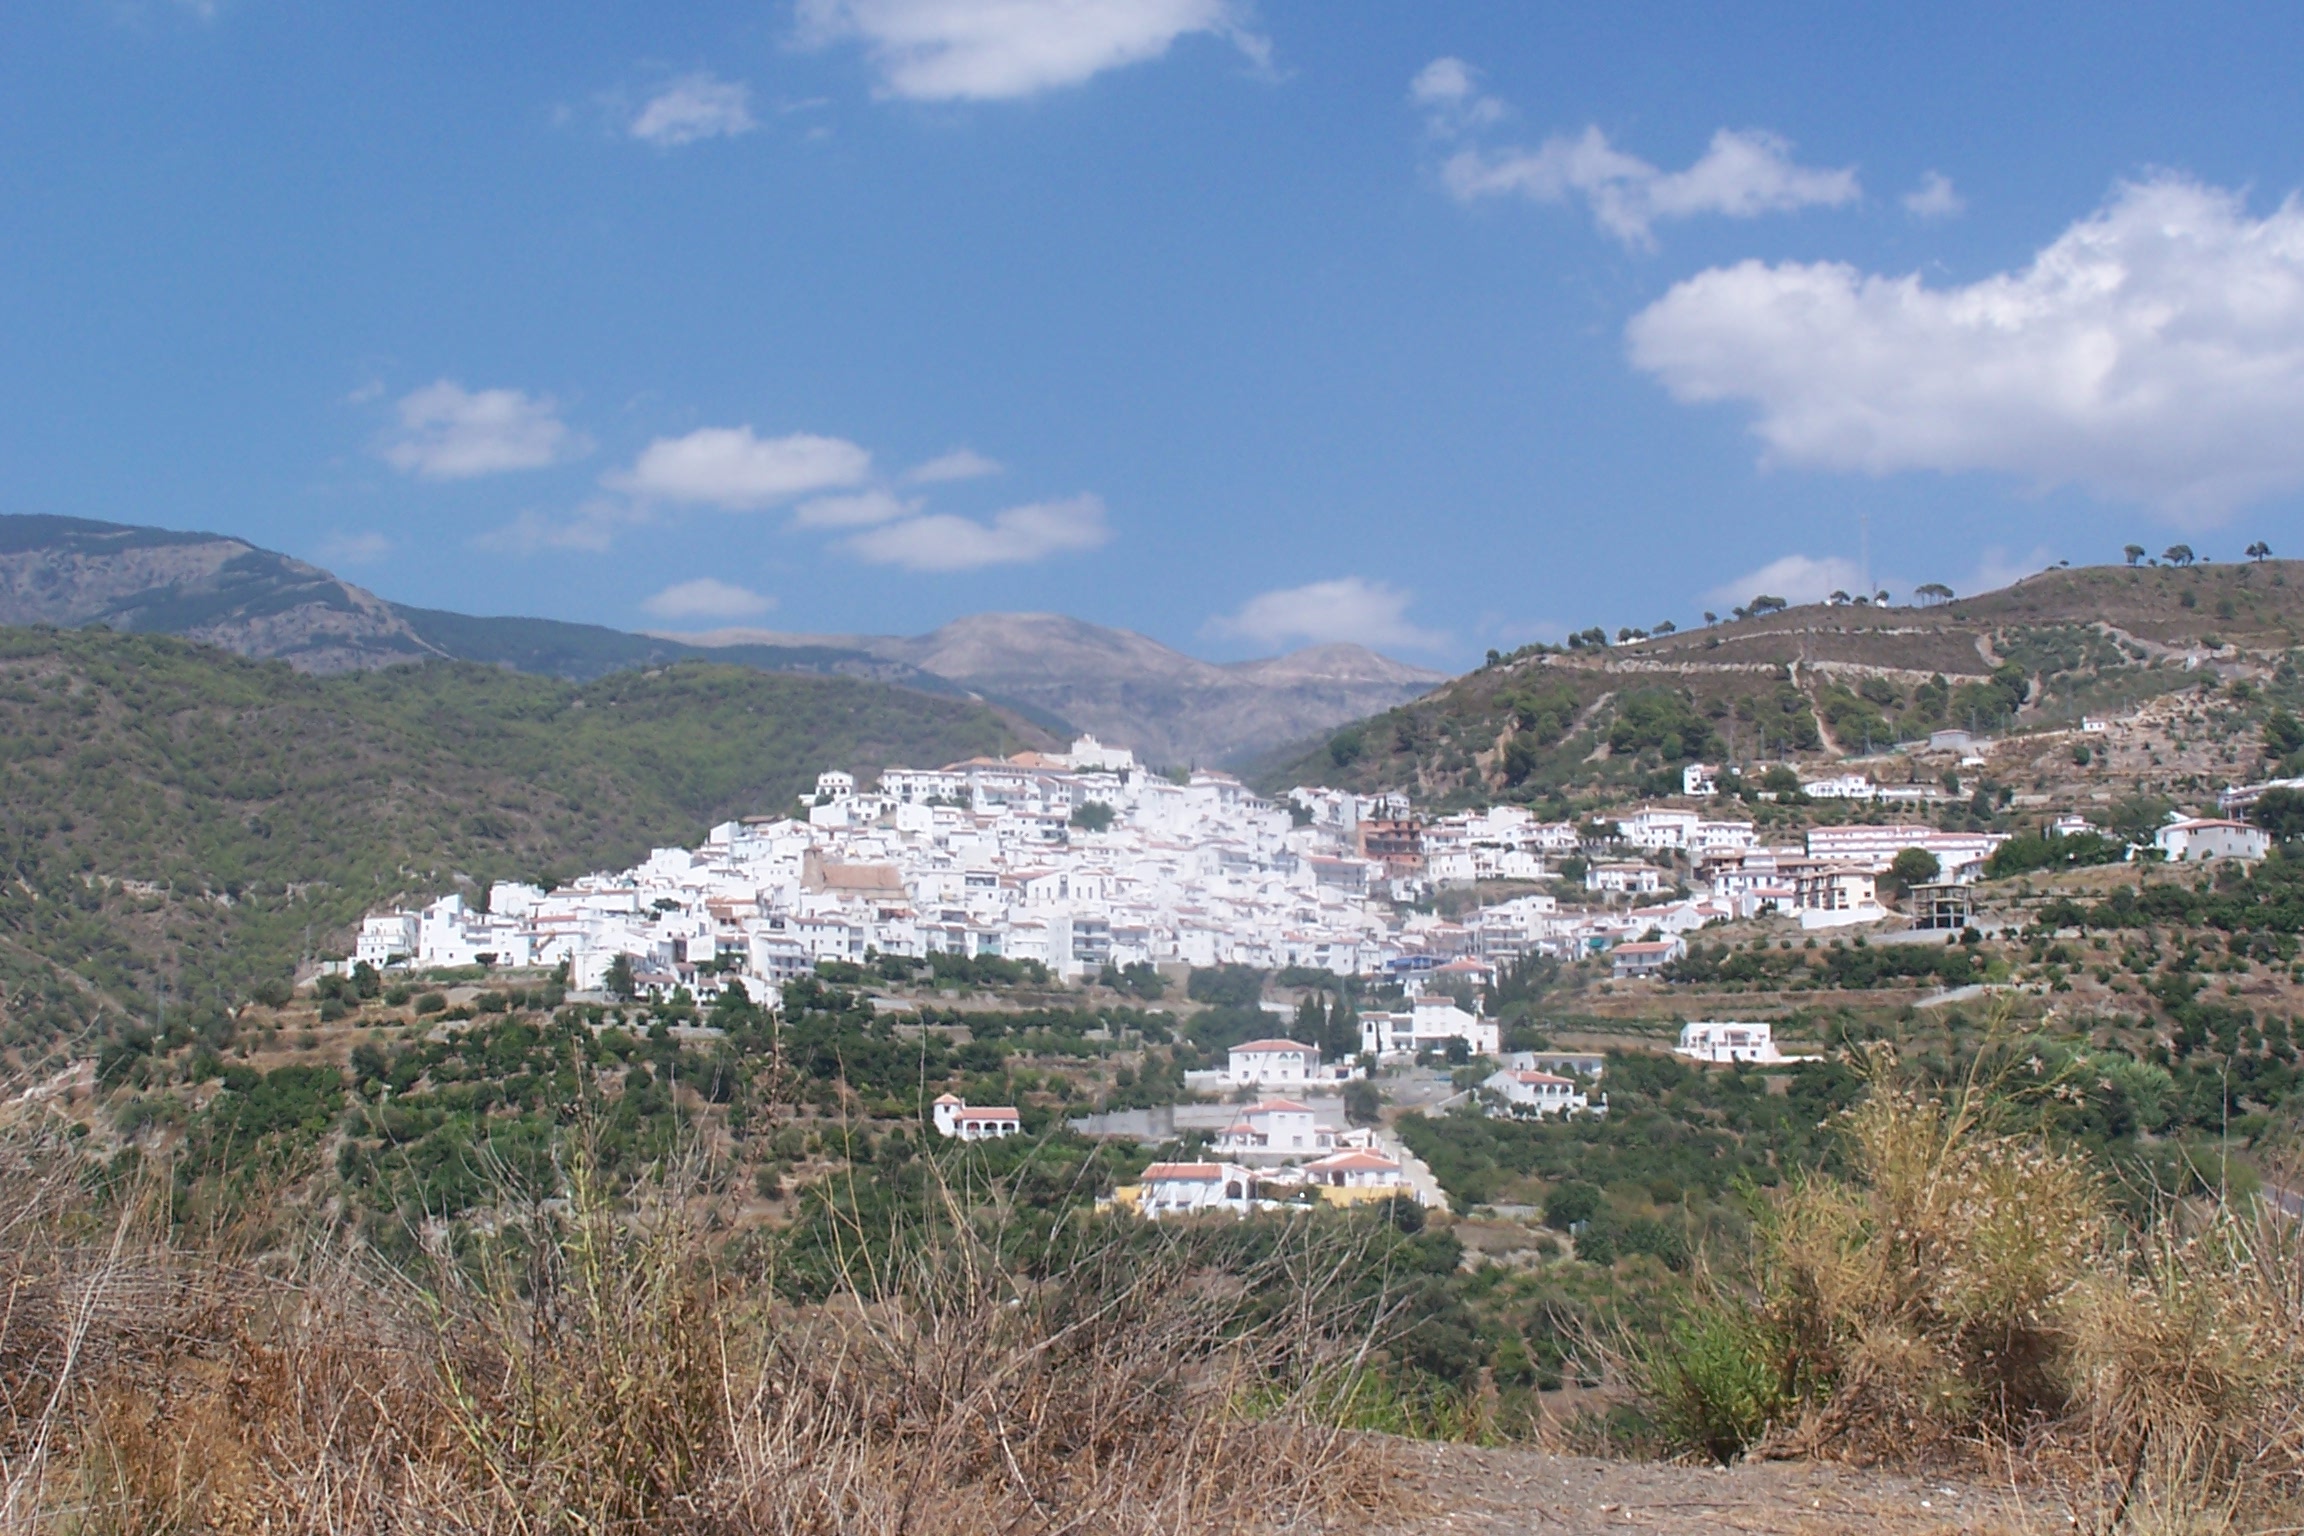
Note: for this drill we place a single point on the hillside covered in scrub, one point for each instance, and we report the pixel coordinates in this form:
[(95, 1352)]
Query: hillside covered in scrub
[(1815, 682), (179, 824)]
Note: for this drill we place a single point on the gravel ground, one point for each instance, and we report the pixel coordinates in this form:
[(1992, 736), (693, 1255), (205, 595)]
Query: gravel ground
[(1470, 1490)]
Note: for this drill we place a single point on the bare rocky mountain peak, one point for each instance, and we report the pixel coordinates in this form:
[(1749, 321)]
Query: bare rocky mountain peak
[(207, 587)]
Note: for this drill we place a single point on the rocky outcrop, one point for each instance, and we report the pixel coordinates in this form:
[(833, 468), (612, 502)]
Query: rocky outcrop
[(72, 572)]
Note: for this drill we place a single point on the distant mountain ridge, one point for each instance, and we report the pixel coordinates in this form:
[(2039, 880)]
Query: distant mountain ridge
[(72, 572), (1062, 674), (1130, 689)]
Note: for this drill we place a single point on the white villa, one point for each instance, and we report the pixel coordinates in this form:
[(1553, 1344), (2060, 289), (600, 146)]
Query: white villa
[(955, 1117), (1184, 1189), (1648, 958), (1428, 1025), (1276, 1128), (1538, 1094), (1261, 1062), (1358, 1169), (2210, 837), (1722, 1042)]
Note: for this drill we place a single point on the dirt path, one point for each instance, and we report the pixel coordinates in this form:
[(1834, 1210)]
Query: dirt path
[(1464, 1489)]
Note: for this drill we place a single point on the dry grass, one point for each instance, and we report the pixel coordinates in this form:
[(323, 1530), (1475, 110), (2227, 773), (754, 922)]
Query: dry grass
[(1966, 1288), (590, 1367)]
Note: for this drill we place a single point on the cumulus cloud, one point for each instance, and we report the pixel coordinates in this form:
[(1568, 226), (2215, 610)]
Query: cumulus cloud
[(707, 598), (448, 432), (731, 468), (1348, 609), (1795, 578), (943, 542), (1448, 90), (1812, 578), (959, 464), (693, 107), (1742, 174), (863, 509), (1934, 198), (984, 50), (2154, 353)]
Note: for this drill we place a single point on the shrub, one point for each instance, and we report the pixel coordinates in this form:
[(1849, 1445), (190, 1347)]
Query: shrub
[(432, 1002), (1571, 1203), (1712, 1381), (1964, 1282)]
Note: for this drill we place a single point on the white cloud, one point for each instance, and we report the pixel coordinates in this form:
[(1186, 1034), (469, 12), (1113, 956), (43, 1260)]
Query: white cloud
[(1742, 175), (448, 432), (698, 106), (1349, 608), (707, 598), (1934, 198), (981, 50), (1447, 88), (943, 542), (1795, 578), (354, 548), (864, 509), (592, 528), (959, 464), (2153, 353), (730, 467)]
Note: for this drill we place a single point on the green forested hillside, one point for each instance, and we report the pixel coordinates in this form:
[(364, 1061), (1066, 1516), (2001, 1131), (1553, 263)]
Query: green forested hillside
[(179, 824)]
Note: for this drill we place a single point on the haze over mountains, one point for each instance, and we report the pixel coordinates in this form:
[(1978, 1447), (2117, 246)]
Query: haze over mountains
[(1063, 673), (1124, 687)]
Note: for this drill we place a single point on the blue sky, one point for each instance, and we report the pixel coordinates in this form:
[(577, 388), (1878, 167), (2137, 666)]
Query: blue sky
[(1439, 326)]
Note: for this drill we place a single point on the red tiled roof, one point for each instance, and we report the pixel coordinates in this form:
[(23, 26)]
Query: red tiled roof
[(1354, 1162), (1178, 1173), (1269, 1047)]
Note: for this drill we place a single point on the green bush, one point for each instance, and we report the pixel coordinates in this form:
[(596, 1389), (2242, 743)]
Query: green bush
[(1711, 1381), (1571, 1203), (432, 1002)]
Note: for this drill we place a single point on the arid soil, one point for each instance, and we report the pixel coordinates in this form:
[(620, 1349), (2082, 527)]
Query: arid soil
[(1470, 1490)]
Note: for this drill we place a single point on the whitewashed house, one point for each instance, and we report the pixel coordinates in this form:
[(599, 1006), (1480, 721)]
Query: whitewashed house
[(1276, 1128), (1428, 1025), (1846, 786), (1262, 1062), (1525, 1093), (386, 938), (1184, 1189), (1630, 962), (1358, 1169), (1727, 1042), (957, 1118), (2209, 837), (1624, 879), (1655, 826)]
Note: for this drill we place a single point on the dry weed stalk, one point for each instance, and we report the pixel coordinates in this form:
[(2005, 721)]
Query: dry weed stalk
[(588, 1367)]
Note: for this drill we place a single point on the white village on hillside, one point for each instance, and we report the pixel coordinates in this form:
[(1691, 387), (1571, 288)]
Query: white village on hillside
[(1085, 860)]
